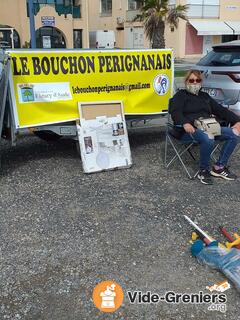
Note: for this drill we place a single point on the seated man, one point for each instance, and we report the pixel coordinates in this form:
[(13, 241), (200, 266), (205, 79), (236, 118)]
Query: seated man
[(189, 105)]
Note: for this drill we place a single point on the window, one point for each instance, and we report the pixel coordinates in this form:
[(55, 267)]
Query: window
[(133, 5), (61, 6), (222, 57), (6, 38), (106, 7), (63, 2), (77, 38), (50, 37), (203, 8)]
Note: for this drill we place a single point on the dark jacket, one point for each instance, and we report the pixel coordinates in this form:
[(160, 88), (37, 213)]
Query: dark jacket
[(186, 107)]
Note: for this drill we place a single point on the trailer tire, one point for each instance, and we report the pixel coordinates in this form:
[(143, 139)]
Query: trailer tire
[(47, 135)]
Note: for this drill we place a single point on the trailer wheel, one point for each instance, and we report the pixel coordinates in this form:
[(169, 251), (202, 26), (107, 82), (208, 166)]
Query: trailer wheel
[(47, 135)]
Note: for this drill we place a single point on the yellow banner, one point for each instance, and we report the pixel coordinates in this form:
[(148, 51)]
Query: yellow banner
[(47, 85)]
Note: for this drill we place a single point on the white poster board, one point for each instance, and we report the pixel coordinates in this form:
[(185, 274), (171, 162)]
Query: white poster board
[(103, 137), (46, 41)]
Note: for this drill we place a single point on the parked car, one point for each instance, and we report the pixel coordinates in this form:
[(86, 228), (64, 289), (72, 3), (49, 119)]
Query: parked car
[(221, 74)]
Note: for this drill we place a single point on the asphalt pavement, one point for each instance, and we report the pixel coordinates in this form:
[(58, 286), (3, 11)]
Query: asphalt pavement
[(63, 232)]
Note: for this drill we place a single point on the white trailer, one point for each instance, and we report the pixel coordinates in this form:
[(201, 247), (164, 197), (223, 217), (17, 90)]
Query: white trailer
[(102, 39), (142, 79)]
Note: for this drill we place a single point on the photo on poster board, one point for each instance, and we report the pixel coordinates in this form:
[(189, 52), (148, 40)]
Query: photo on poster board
[(103, 137)]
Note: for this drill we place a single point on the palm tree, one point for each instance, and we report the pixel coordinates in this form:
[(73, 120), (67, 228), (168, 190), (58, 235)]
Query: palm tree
[(155, 14), (28, 93)]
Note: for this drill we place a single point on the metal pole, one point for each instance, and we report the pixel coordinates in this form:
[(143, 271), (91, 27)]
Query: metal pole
[(32, 24), (87, 29)]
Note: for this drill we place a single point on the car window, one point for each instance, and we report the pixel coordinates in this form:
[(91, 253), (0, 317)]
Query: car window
[(225, 57), (221, 57), (236, 61)]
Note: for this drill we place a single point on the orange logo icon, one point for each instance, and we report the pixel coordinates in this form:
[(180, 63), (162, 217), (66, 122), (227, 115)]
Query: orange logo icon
[(108, 296)]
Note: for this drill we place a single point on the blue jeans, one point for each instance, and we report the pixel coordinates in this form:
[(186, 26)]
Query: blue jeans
[(207, 145)]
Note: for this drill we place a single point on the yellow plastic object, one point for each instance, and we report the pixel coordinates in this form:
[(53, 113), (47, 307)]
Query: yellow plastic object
[(232, 244), (194, 236)]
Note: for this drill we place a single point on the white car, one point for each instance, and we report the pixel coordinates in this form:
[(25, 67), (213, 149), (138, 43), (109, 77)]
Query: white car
[(221, 74)]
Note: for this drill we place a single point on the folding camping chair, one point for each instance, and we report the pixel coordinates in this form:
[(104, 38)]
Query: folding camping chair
[(180, 148)]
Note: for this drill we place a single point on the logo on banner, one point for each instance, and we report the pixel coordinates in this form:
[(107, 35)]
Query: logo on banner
[(161, 84), (108, 296), (44, 92), (27, 92), (221, 287)]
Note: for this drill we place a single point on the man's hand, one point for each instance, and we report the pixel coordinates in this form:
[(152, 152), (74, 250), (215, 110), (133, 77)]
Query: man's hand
[(188, 128), (237, 127)]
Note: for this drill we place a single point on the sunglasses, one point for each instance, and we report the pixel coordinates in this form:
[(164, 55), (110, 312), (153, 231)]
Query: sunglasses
[(194, 80)]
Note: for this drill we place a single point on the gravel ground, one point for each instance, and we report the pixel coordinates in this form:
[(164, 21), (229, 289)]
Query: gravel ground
[(63, 231)]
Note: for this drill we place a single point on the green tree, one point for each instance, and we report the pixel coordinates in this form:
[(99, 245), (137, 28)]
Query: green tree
[(27, 93), (155, 14)]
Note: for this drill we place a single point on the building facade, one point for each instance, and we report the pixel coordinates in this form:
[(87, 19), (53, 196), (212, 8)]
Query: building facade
[(66, 24), (58, 23), (210, 22), (118, 15)]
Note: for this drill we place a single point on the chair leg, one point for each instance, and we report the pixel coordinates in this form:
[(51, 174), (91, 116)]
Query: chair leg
[(178, 155), (190, 152), (214, 150), (165, 151), (195, 175)]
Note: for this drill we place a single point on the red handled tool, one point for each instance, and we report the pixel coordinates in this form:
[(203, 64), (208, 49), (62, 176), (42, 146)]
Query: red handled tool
[(228, 236)]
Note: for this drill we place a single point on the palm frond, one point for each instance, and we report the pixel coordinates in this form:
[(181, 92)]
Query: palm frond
[(150, 26), (139, 17), (155, 13), (177, 13)]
